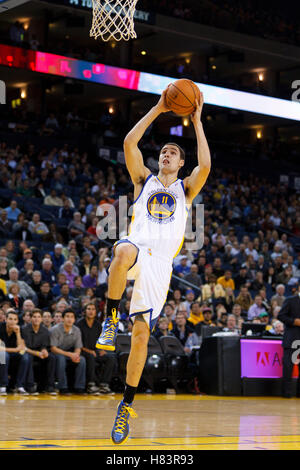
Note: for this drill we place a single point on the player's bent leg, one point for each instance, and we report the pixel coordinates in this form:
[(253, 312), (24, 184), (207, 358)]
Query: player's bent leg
[(124, 257), (135, 366), (138, 351)]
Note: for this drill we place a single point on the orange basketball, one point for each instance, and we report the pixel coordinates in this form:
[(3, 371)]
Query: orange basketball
[(181, 97)]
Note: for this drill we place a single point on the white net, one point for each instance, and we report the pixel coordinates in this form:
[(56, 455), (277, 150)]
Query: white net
[(113, 19)]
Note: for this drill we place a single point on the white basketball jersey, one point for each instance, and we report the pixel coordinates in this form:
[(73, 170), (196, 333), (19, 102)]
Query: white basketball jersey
[(159, 218)]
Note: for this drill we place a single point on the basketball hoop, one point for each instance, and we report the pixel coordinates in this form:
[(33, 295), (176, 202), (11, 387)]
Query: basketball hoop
[(113, 19)]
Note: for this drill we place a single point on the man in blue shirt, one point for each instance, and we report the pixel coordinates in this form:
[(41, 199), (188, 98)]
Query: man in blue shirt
[(13, 211)]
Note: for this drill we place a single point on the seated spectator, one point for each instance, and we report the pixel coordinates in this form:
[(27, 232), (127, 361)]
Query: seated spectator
[(277, 328), (66, 211), (42, 361), (57, 317), (181, 329), (12, 211), (23, 232), (85, 265), (47, 319), (66, 344), (231, 325), (14, 297), (69, 273), (279, 296), (47, 272), (264, 318), (256, 309), (16, 359), (76, 227), (25, 317), (195, 316), (45, 296), (3, 269), (61, 279), (36, 226), (207, 319), (5, 224), (53, 199), (26, 272), (57, 257), (78, 290), (226, 280), (169, 313), (26, 292), (65, 294), (194, 278), (244, 299), (36, 281), (100, 364), (90, 280), (189, 299), (162, 328), (182, 269)]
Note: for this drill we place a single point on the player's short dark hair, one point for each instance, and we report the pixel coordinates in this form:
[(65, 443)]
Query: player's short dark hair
[(68, 310), (181, 151)]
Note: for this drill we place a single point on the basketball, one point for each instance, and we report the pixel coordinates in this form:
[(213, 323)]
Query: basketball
[(181, 97)]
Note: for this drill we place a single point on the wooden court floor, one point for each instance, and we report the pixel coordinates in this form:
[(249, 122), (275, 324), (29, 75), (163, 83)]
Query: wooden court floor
[(165, 422)]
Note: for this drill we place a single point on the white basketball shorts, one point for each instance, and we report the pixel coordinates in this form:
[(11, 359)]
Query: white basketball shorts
[(152, 276)]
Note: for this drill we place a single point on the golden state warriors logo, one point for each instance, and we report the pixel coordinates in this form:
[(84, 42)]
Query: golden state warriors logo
[(161, 205)]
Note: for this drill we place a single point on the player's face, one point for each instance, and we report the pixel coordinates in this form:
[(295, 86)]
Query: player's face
[(169, 159)]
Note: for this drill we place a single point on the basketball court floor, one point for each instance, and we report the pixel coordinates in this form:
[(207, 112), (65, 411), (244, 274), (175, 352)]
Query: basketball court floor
[(165, 422)]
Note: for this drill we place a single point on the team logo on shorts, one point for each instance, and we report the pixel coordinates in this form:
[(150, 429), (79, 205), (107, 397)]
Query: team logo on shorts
[(161, 205)]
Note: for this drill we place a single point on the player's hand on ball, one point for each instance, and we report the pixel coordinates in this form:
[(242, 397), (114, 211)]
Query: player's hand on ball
[(196, 115), (161, 105)]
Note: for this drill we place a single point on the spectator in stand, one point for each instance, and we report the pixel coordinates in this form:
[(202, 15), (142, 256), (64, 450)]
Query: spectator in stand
[(66, 211), (45, 296), (169, 313), (47, 319), (76, 227), (279, 296), (37, 227), (42, 361), (195, 315), (25, 290), (53, 199), (256, 309), (57, 257), (90, 280), (100, 364), (36, 281), (162, 328), (5, 224), (66, 344), (69, 273), (14, 297), (181, 329), (3, 269), (226, 280), (27, 255), (57, 317), (12, 211), (244, 299), (207, 319), (16, 358), (86, 263), (182, 269), (231, 325), (47, 272)]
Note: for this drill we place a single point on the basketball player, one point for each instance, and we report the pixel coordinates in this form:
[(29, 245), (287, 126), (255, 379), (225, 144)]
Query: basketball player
[(146, 255)]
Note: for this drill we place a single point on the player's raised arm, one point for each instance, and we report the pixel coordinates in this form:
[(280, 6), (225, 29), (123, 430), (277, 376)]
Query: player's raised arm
[(133, 156), (194, 183)]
